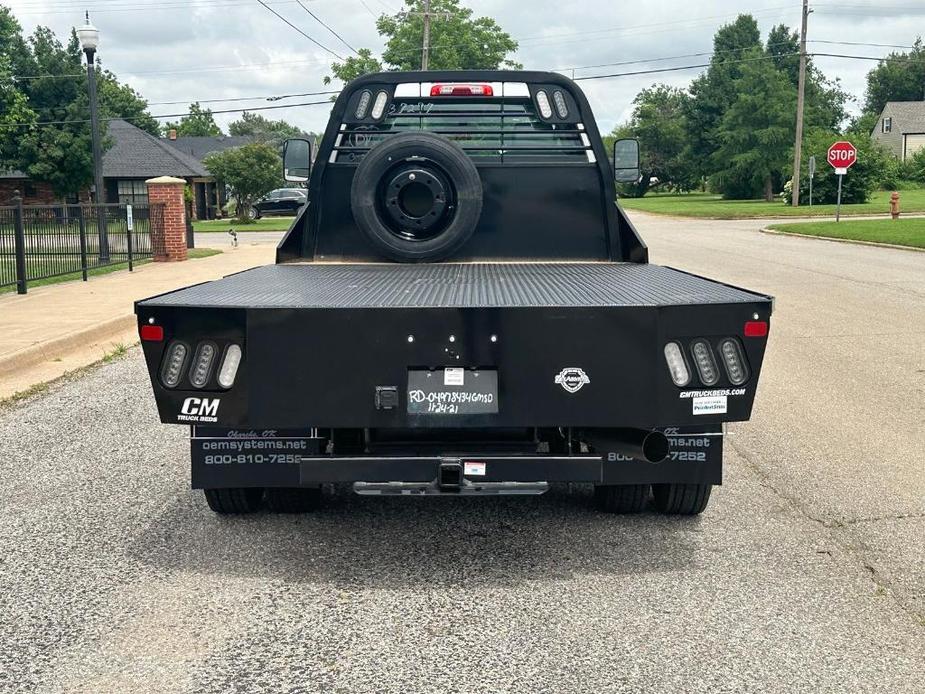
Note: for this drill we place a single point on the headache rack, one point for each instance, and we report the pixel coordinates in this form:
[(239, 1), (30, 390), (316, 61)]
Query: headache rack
[(355, 141)]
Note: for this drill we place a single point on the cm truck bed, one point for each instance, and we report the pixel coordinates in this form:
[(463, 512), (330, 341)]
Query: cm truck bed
[(517, 345), (446, 285)]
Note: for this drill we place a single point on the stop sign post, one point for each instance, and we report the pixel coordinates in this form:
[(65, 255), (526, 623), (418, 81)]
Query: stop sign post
[(842, 156)]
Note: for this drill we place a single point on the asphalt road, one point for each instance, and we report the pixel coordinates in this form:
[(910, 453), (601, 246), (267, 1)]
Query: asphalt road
[(806, 573)]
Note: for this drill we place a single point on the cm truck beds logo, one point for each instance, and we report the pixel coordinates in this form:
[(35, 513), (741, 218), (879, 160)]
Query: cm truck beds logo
[(199, 410)]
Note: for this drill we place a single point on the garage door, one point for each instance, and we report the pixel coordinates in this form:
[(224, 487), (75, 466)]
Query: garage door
[(914, 143)]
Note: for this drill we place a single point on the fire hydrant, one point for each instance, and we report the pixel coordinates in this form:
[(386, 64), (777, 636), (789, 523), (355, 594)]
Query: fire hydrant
[(894, 205)]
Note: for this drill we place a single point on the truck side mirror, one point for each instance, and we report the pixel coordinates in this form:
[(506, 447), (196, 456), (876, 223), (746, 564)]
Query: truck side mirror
[(297, 159), (626, 160)]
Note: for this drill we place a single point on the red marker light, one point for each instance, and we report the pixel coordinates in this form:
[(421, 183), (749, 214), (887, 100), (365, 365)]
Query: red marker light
[(462, 90), (151, 333), (756, 328)]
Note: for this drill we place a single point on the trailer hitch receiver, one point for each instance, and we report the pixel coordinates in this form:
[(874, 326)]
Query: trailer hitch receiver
[(451, 475)]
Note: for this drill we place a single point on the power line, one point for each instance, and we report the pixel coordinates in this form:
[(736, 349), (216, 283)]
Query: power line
[(163, 115), (318, 19), (322, 46), (683, 67)]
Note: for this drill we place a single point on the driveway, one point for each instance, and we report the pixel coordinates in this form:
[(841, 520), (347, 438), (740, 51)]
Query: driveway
[(804, 575)]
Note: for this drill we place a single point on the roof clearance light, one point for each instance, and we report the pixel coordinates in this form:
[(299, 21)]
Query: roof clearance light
[(734, 361), (542, 100), (230, 365), (363, 105), (677, 366), (202, 367), (706, 364), (462, 90), (559, 100), (379, 106), (173, 364)]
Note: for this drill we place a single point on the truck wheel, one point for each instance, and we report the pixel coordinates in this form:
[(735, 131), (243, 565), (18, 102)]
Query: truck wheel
[(293, 499), (417, 197), (234, 500), (681, 499), (621, 498)]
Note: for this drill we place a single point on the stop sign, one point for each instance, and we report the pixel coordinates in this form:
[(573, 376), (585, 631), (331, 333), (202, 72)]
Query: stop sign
[(842, 155)]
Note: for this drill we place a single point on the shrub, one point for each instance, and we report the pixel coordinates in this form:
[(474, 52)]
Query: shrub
[(873, 167)]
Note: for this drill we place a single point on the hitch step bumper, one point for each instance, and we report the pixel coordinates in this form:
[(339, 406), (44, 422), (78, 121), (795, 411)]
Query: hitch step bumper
[(451, 475)]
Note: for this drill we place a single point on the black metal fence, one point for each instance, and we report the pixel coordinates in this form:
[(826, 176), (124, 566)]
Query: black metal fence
[(42, 241)]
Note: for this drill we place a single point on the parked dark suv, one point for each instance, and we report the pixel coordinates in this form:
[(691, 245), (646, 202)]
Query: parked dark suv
[(282, 201)]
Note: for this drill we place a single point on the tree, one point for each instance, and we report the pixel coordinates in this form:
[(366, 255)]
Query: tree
[(121, 101), (458, 41), (756, 132), (58, 153), (659, 123), (265, 130), (198, 122), (901, 77), (714, 92), (249, 172), (14, 113)]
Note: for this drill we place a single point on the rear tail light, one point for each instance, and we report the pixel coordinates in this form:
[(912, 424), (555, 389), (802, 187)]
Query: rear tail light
[(734, 359), (706, 364), (229, 368), (559, 101), (756, 328), (363, 104), (462, 90), (173, 364), (677, 365), (379, 105), (542, 102), (151, 333), (202, 365)]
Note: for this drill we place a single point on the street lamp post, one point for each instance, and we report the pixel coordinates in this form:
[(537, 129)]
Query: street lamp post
[(89, 39)]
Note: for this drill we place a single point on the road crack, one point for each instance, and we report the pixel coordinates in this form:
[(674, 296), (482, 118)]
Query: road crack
[(849, 544)]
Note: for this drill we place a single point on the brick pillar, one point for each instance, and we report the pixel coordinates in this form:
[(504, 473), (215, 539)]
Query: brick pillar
[(168, 239)]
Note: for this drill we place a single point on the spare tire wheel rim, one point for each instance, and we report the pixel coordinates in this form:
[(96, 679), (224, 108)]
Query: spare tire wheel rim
[(416, 198)]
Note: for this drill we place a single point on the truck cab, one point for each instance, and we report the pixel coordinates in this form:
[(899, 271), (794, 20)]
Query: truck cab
[(461, 308)]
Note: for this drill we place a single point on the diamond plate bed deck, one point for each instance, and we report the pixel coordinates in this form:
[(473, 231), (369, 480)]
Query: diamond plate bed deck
[(447, 285)]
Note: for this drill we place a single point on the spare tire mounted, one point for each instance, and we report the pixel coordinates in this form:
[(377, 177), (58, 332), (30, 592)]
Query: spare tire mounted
[(417, 197)]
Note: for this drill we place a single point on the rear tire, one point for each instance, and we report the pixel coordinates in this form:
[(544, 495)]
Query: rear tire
[(234, 500), (621, 498), (293, 499), (681, 499)]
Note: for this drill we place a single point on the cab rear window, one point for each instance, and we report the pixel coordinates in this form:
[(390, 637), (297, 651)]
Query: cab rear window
[(500, 130)]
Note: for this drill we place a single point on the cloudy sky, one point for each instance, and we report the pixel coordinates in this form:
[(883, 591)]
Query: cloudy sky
[(175, 51)]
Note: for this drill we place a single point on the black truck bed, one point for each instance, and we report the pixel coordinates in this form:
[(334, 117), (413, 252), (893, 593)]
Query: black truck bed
[(447, 285)]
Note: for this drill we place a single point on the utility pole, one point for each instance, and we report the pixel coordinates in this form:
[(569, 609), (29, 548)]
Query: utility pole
[(801, 90), (425, 50), (427, 15)]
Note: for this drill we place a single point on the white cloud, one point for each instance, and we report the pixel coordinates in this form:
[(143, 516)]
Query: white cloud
[(178, 40)]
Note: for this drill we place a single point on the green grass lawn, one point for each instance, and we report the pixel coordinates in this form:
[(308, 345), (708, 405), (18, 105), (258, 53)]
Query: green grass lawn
[(193, 254), (902, 232), (265, 224), (714, 207)]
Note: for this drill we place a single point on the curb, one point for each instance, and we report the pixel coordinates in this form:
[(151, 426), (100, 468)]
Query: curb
[(856, 242), (61, 346)]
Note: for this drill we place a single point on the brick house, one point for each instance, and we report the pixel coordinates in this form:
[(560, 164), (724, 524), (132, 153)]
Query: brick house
[(208, 199), (901, 128), (134, 157)]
